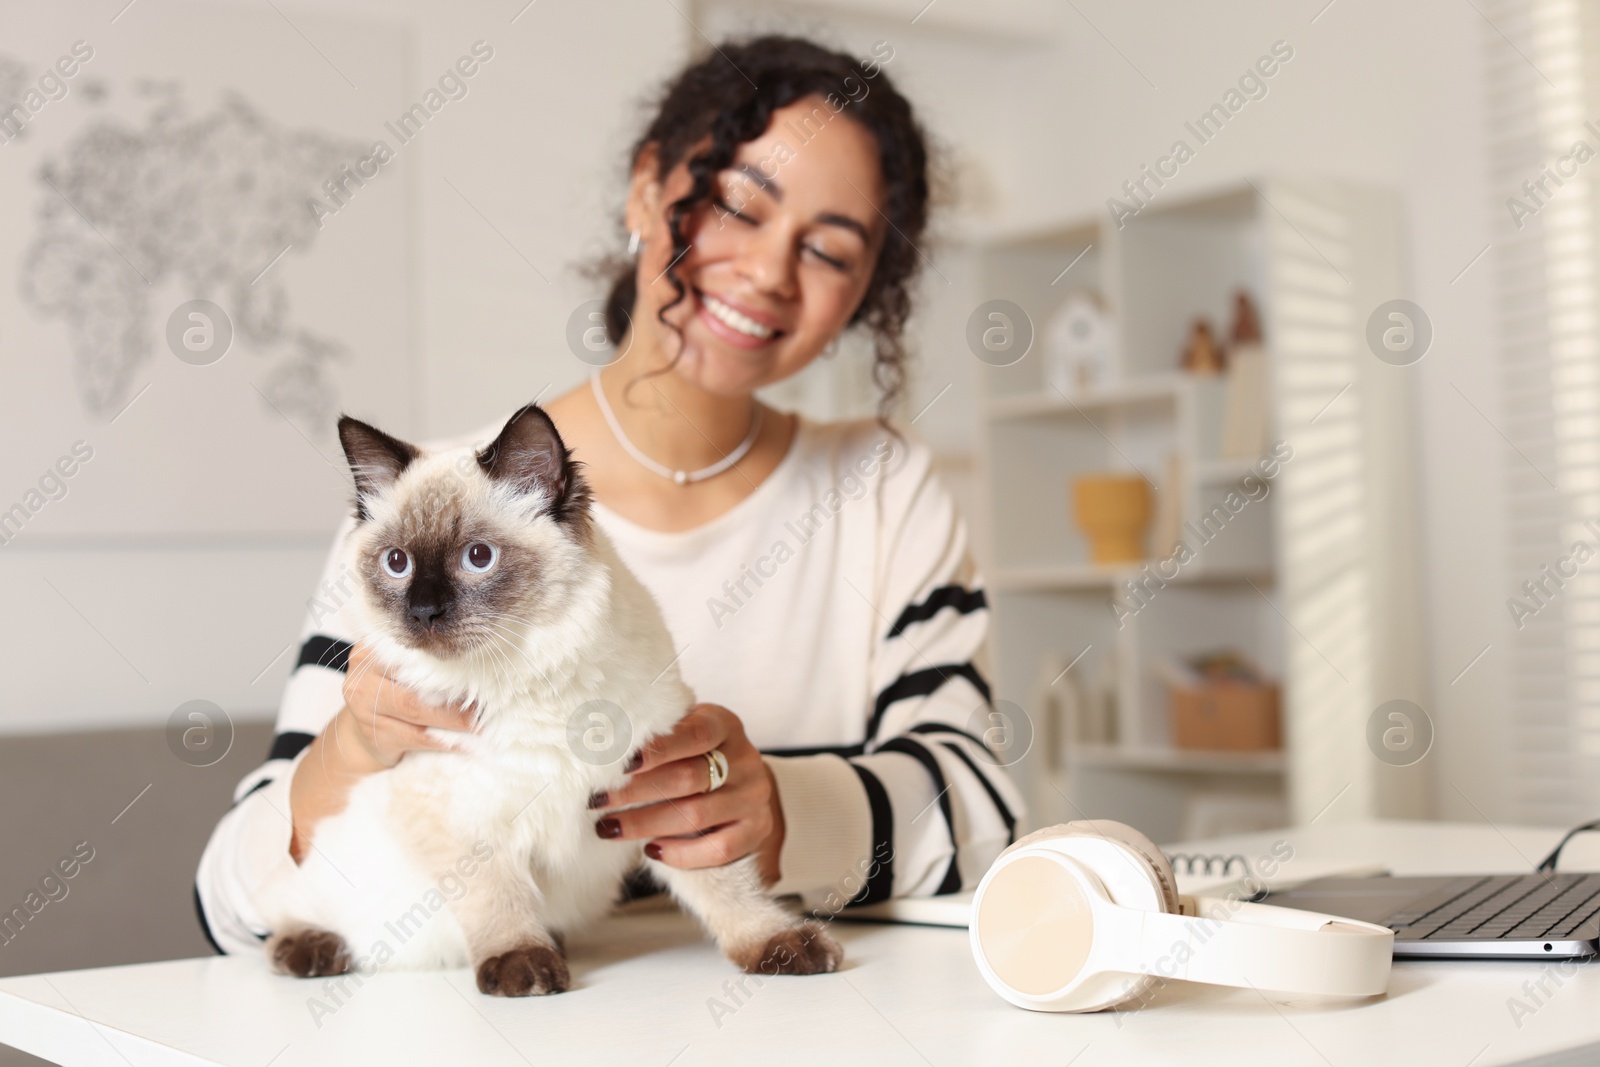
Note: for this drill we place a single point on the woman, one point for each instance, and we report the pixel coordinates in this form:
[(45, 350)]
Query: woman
[(816, 577)]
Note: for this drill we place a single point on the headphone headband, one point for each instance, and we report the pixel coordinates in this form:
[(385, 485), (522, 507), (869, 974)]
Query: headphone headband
[(1261, 946)]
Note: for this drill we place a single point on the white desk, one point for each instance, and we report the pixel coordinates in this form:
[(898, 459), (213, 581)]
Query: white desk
[(645, 984)]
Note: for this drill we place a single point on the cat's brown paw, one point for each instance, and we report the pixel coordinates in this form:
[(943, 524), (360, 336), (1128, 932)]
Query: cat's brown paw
[(309, 953), (529, 970), (803, 949)]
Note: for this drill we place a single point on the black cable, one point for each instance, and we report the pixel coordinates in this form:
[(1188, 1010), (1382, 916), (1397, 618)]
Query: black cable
[(1549, 862)]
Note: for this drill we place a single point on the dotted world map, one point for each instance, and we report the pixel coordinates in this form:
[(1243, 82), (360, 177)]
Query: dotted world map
[(206, 205)]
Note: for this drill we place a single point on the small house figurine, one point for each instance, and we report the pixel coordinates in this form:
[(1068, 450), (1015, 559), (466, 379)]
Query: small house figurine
[(1081, 343)]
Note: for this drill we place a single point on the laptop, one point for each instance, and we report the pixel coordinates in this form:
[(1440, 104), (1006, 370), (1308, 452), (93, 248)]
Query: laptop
[(1546, 915)]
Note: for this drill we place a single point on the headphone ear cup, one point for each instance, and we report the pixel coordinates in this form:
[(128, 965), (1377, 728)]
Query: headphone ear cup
[(1033, 917), (1033, 927), (1144, 847), (1121, 832)]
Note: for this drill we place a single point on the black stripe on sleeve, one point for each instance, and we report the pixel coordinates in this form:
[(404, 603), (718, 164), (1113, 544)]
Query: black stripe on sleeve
[(919, 752), (288, 744), (880, 883), (205, 927), (965, 601), (819, 750), (946, 728), (322, 651), (994, 794), (920, 684)]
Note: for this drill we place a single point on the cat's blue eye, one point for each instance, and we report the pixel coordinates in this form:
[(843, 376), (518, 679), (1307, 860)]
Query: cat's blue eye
[(396, 562), (478, 557)]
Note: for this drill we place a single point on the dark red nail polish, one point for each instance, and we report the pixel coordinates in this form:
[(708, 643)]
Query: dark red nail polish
[(653, 850), (635, 761), (608, 827), (597, 799)]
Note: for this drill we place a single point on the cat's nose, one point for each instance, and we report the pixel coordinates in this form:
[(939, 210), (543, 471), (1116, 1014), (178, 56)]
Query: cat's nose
[(427, 614)]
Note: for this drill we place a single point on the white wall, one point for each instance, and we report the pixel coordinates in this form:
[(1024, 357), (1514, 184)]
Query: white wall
[(1052, 123)]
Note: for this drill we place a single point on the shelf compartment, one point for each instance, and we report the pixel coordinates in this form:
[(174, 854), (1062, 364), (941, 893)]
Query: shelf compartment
[(1148, 389), (1089, 578), (1161, 758)]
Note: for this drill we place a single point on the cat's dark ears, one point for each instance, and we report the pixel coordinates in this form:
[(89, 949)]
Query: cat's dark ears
[(376, 459), (530, 456)]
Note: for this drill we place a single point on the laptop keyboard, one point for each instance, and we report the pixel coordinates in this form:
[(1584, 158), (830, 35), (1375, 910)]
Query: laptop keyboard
[(1513, 906)]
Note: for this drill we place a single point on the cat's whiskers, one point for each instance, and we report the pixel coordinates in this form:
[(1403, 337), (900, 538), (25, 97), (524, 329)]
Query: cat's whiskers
[(501, 663), (515, 646), (516, 640), (500, 640), (507, 615)]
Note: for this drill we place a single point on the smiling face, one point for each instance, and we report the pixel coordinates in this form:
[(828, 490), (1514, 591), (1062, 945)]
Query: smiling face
[(777, 263)]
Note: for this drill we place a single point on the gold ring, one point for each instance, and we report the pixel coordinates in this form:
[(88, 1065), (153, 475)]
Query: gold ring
[(716, 770)]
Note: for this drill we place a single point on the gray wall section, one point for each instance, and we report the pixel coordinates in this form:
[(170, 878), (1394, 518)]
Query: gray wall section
[(133, 902)]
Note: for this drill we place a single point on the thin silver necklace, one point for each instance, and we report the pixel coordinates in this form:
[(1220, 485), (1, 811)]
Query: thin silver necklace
[(682, 477)]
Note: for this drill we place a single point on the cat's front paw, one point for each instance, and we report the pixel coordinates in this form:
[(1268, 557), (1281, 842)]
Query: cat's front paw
[(803, 949), (529, 970), (309, 953)]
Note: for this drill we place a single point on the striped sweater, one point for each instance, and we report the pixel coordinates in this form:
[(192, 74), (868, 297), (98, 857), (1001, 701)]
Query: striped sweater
[(837, 610)]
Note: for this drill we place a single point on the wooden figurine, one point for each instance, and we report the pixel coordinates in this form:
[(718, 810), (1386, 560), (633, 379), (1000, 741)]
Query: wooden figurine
[(1246, 323), (1202, 355)]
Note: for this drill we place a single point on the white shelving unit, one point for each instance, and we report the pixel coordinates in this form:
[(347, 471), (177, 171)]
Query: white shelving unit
[(1174, 261)]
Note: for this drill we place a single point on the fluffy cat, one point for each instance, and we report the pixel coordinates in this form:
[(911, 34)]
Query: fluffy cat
[(481, 577)]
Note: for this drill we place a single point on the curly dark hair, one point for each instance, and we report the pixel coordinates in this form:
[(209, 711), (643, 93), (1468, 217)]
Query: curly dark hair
[(730, 95)]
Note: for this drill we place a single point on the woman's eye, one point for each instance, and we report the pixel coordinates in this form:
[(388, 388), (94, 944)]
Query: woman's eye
[(478, 557), (820, 254), (735, 212), (396, 562)]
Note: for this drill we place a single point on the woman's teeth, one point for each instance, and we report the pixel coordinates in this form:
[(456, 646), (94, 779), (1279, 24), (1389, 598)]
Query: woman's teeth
[(731, 318)]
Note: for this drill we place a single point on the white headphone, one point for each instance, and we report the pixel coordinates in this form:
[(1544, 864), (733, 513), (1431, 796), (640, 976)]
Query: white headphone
[(1086, 915)]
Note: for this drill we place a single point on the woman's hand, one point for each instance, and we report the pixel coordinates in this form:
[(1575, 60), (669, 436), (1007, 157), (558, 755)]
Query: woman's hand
[(380, 722), (689, 826)]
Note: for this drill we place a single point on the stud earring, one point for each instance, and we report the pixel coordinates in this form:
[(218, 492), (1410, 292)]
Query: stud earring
[(634, 243)]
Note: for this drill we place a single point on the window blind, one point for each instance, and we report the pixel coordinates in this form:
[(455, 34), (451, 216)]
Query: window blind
[(1540, 61)]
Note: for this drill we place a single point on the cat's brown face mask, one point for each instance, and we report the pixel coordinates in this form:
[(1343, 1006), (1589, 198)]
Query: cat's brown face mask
[(466, 551)]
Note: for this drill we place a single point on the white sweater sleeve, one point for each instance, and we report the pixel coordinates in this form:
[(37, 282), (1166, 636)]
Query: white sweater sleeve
[(249, 848), (924, 805)]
